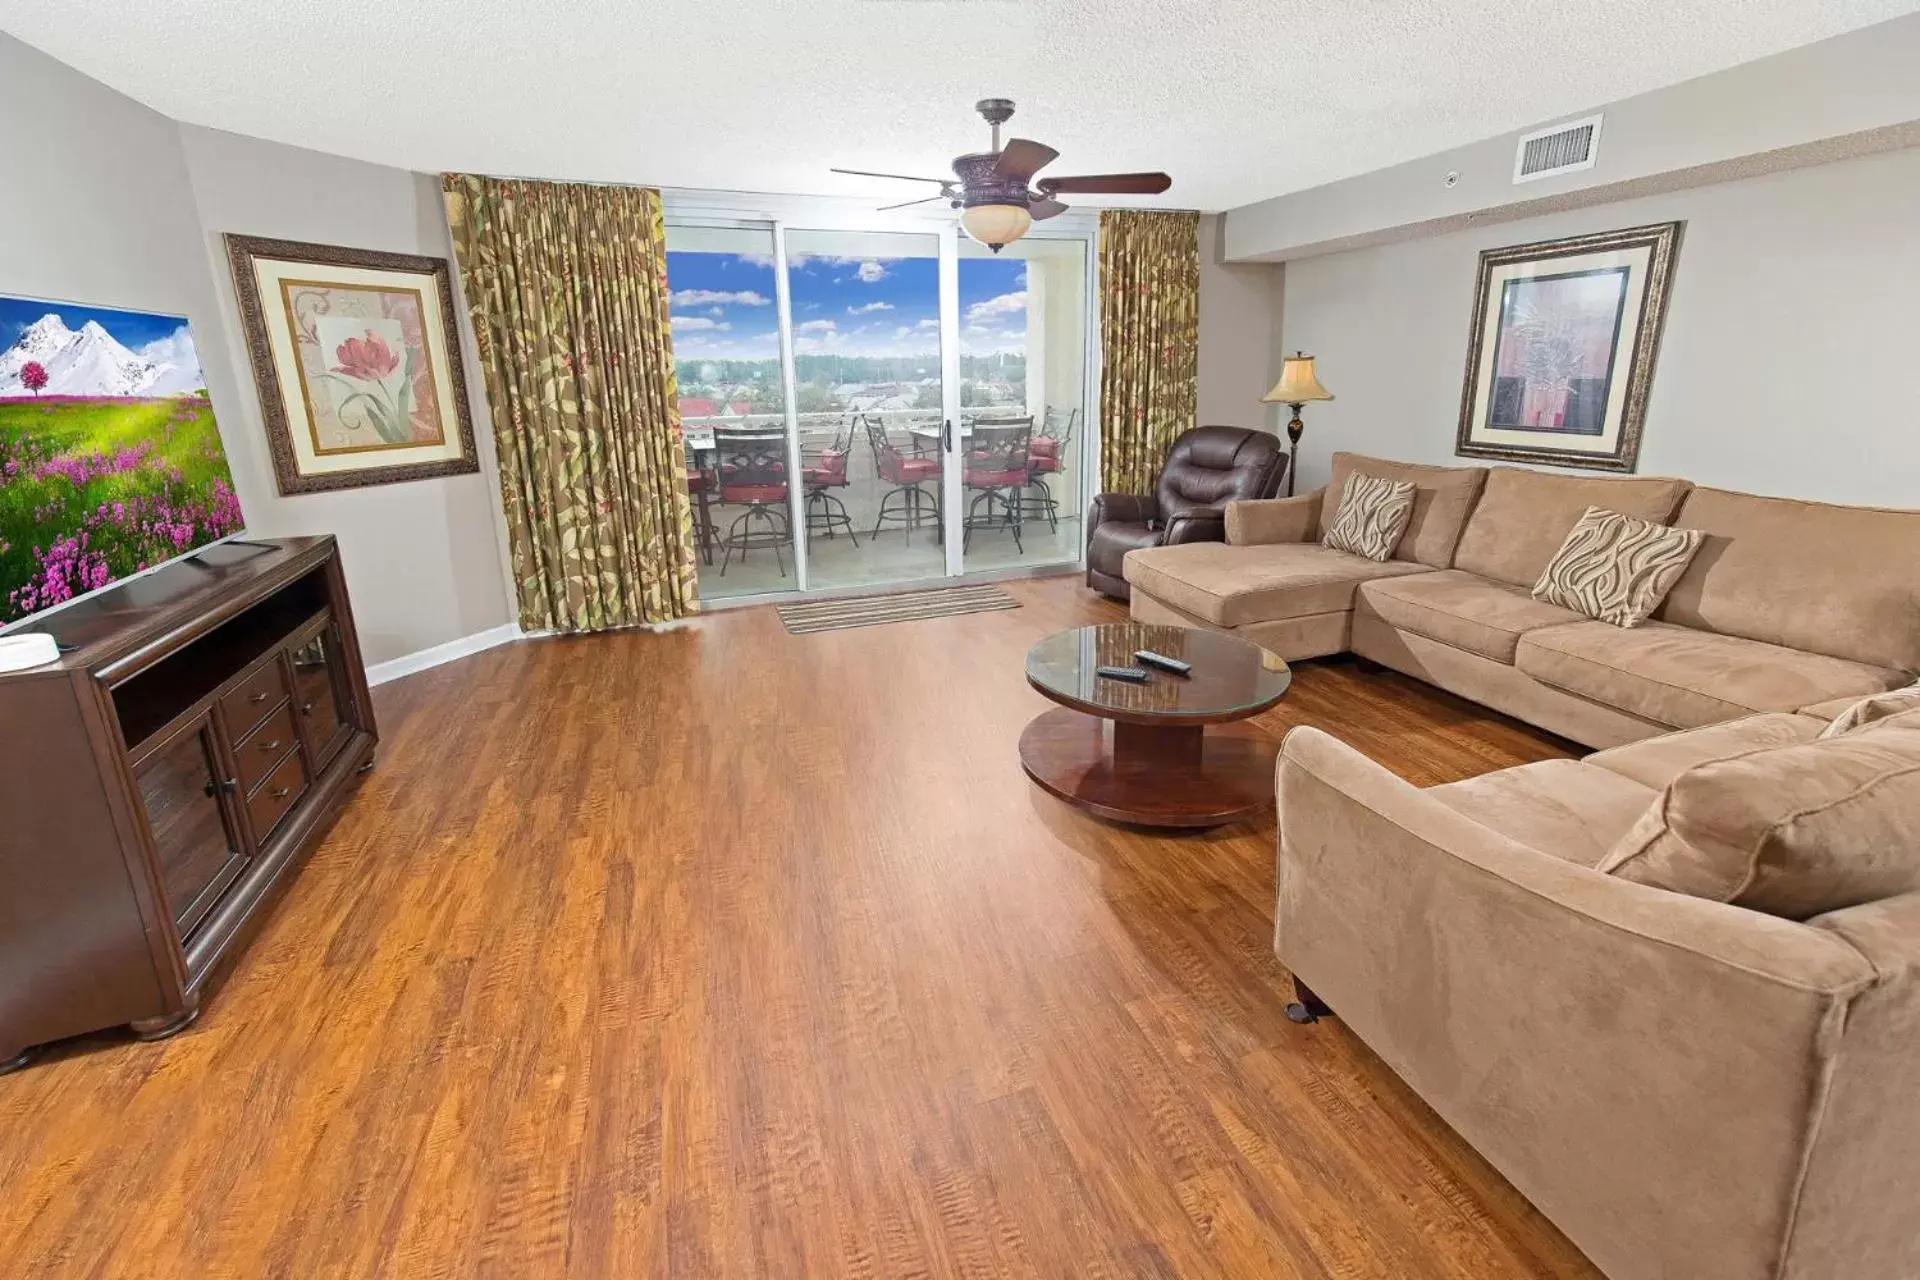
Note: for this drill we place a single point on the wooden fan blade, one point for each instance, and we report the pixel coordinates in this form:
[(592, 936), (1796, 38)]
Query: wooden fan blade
[(1046, 208), (1021, 158), (904, 177), (908, 204), (1130, 184)]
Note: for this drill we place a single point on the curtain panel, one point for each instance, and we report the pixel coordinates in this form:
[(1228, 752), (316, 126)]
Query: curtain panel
[(1149, 341), (567, 287)]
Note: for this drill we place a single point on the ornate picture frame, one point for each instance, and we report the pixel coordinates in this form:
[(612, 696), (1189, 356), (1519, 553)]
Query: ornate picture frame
[(356, 356), (1561, 351)]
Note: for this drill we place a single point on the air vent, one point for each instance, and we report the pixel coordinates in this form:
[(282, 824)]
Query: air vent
[(1563, 148)]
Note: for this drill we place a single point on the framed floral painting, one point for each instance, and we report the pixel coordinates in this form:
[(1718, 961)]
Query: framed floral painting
[(1560, 356), (357, 358)]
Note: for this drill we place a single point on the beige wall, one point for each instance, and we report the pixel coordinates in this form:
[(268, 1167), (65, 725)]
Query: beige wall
[(1791, 360), (1239, 337), (423, 559)]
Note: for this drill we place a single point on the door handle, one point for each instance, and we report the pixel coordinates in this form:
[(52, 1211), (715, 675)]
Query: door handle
[(946, 435)]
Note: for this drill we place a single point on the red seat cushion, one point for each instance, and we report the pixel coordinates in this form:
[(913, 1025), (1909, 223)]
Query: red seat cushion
[(911, 470), (696, 480), (996, 479), (1043, 447), (1038, 463), (753, 492)]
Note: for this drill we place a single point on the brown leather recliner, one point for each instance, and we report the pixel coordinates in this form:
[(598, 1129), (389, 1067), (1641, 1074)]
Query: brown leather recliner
[(1206, 468)]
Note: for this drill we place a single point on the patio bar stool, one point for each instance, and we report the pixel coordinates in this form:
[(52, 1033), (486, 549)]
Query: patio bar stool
[(906, 503), (753, 473)]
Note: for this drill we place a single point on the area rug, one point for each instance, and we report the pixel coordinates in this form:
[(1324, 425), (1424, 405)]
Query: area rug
[(907, 606)]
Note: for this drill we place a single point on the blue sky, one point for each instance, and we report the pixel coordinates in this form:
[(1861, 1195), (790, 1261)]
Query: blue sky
[(723, 305), (132, 329)]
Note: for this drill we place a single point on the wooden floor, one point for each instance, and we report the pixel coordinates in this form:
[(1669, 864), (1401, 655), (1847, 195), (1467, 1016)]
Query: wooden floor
[(724, 952)]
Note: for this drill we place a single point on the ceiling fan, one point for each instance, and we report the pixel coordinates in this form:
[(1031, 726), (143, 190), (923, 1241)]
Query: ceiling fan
[(992, 189)]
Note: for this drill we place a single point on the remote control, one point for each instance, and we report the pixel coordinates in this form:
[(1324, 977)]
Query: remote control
[(1162, 661), (1131, 675)]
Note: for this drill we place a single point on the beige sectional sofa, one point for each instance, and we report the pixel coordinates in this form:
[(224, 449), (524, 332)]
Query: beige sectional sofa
[(1788, 603), (1688, 1084)]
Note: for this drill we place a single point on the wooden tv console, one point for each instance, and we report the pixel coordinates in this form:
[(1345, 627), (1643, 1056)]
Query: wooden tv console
[(202, 728)]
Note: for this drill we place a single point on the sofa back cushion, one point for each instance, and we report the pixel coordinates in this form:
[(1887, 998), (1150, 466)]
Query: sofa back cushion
[(1793, 831), (1807, 575), (1443, 498), (1523, 516)]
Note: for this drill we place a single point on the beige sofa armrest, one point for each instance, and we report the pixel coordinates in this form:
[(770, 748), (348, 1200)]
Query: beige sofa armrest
[(1262, 521), (1645, 1067), (1856, 1213)]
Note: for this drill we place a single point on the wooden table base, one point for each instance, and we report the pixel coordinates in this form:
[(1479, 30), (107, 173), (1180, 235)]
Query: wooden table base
[(1185, 776)]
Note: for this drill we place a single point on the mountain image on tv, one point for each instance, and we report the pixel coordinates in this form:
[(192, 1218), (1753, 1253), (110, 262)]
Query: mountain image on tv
[(110, 458)]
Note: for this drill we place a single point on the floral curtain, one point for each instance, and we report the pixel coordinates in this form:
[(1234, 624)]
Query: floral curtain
[(567, 287), (1149, 341)]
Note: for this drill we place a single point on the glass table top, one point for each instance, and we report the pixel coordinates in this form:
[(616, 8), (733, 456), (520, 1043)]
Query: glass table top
[(1231, 678)]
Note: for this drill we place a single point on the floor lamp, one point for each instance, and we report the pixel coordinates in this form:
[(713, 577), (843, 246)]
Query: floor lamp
[(1297, 386)]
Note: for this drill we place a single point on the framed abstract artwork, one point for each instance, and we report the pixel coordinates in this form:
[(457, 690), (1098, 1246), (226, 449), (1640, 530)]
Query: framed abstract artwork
[(1562, 348), (357, 359)]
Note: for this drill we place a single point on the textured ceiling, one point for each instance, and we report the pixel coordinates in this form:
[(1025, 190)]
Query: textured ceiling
[(1237, 101)]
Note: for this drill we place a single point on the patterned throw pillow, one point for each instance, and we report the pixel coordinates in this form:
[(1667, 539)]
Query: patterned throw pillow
[(1373, 514), (1616, 568)]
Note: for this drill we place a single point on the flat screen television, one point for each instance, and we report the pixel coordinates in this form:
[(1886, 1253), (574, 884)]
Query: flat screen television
[(110, 459)]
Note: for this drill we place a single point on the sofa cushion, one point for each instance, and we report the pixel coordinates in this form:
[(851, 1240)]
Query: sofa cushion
[(1571, 810), (1523, 517), (1616, 568), (1681, 677), (1443, 498), (1792, 831), (1373, 513), (1460, 609), (1807, 575), (1655, 762), (1230, 586)]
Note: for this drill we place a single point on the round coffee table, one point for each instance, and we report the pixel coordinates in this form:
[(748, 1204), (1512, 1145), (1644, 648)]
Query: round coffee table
[(1158, 766)]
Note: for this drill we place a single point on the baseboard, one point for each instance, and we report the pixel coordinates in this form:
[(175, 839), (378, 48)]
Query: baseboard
[(479, 641)]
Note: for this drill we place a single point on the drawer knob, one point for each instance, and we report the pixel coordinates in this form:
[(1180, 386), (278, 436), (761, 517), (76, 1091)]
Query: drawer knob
[(271, 747), (259, 697), (282, 793)]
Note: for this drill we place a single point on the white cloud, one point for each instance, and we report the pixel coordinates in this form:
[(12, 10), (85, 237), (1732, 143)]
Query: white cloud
[(175, 349), (931, 322), (871, 306), (993, 309), (902, 331), (815, 326), (870, 272), (708, 297), (688, 324), (718, 313)]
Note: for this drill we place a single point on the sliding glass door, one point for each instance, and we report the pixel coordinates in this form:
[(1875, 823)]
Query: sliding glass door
[(865, 408), (870, 403)]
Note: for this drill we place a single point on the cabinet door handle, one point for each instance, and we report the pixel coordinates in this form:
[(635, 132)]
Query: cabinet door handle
[(306, 708), (282, 793), (271, 747), (259, 697)]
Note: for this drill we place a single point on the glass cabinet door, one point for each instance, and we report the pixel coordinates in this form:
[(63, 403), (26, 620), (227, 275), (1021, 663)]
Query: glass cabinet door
[(316, 692), (184, 788)]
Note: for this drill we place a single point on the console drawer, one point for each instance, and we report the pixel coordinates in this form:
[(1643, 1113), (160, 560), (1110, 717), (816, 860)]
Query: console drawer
[(280, 791), (263, 748), (245, 705)]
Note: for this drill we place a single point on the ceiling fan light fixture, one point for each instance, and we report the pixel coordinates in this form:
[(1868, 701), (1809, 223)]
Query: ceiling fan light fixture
[(995, 225)]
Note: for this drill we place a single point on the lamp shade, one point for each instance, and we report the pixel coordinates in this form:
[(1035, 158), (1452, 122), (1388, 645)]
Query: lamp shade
[(994, 225), (1297, 383)]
